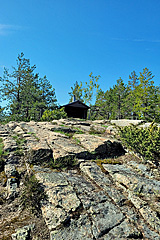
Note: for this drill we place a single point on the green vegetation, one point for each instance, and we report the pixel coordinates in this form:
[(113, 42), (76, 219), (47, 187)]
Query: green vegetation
[(1, 146), (107, 161), (53, 115), (2, 117), (85, 91), (28, 96), (139, 99), (78, 130), (77, 141), (66, 162), (68, 131), (96, 131), (34, 135), (100, 163), (32, 194), (145, 141), (20, 141), (106, 126), (60, 131)]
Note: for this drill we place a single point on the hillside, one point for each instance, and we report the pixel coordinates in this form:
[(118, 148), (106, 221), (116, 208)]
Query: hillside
[(72, 179)]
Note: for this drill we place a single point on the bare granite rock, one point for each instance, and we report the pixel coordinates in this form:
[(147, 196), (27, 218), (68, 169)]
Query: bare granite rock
[(23, 233), (91, 206), (93, 200)]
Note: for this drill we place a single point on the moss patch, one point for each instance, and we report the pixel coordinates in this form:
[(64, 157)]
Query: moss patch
[(100, 163)]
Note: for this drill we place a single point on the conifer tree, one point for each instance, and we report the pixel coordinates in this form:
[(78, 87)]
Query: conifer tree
[(28, 96), (130, 100), (119, 96), (146, 97)]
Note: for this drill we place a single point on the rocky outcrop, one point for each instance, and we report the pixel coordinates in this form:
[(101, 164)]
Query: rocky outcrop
[(108, 194), (96, 205), (46, 140), (23, 233)]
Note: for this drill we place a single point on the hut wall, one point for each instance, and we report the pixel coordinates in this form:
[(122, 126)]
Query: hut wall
[(76, 112)]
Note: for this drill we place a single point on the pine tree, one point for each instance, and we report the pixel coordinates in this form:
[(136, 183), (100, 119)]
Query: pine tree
[(101, 109), (146, 97), (119, 95), (28, 95), (130, 100)]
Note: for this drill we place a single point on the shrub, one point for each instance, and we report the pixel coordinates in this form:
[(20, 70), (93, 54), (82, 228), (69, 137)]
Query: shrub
[(54, 115), (145, 141)]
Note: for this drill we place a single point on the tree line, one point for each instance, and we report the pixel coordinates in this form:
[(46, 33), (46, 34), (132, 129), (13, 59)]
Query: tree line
[(30, 97), (138, 99)]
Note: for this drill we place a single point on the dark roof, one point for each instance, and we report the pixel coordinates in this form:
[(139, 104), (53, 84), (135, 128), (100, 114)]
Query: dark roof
[(77, 104)]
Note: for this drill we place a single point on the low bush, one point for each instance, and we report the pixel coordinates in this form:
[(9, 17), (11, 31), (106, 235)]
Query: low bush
[(54, 115), (145, 141)]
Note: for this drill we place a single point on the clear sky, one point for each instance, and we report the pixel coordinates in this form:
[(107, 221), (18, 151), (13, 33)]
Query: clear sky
[(68, 39)]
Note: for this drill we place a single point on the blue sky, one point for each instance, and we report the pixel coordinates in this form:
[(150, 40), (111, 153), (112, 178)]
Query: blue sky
[(68, 39)]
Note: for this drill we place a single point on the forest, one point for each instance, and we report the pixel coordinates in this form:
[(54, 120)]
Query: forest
[(30, 97)]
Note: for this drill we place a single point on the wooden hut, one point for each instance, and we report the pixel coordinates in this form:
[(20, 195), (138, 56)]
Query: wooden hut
[(76, 109)]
